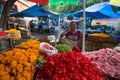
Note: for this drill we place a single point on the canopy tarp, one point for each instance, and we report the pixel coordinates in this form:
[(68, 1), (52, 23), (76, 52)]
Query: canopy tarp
[(41, 2), (115, 2), (101, 10), (60, 2), (118, 13), (34, 11)]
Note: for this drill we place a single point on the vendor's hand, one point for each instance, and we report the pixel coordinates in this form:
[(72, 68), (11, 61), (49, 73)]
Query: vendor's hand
[(65, 32)]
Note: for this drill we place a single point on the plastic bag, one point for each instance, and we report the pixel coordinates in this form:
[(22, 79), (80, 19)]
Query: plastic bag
[(48, 49)]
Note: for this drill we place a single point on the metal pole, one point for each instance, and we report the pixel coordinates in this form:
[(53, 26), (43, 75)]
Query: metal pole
[(59, 21), (59, 16), (84, 25)]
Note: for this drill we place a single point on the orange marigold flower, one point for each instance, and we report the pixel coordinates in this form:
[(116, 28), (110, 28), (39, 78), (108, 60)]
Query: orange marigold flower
[(13, 64), (19, 68)]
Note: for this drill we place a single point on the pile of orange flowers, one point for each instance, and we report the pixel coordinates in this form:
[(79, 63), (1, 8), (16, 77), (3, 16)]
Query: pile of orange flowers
[(100, 38), (34, 44), (17, 64)]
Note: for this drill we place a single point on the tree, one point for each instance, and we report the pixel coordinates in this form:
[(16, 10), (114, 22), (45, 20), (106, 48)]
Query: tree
[(5, 13)]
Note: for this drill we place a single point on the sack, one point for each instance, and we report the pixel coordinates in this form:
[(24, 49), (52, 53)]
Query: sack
[(48, 49), (70, 42)]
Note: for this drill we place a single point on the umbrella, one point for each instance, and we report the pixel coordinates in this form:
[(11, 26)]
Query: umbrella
[(115, 2), (98, 11), (59, 2), (42, 2), (118, 13)]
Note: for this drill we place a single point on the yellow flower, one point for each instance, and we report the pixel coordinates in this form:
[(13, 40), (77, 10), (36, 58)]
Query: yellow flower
[(13, 64), (5, 60), (32, 59), (19, 68), (27, 74), (4, 76), (20, 77), (12, 78), (14, 71), (30, 44), (2, 67), (27, 66), (7, 68), (1, 57)]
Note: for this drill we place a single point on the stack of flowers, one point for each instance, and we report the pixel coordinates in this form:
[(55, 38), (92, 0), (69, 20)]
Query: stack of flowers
[(17, 64), (69, 66), (107, 60)]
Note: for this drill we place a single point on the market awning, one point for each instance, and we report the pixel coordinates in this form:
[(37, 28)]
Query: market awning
[(34, 11), (115, 2), (101, 10), (55, 2), (118, 13), (21, 6), (41, 2), (60, 2)]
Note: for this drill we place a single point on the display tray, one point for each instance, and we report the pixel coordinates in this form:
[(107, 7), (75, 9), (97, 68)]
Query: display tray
[(92, 46), (98, 39)]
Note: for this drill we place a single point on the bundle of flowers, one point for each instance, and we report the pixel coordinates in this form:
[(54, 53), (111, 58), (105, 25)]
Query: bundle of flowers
[(69, 66), (107, 60), (17, 64)]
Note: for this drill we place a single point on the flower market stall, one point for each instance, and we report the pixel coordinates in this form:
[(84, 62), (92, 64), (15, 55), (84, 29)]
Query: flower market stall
[(60, 62), (22, 62)]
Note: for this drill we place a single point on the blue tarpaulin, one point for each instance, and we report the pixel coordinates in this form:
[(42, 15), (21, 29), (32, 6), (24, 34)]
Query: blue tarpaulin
[(101, 10), (34, 11), (118, 13)]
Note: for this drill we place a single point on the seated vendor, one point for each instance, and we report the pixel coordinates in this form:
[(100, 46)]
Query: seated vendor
[(72, 33)]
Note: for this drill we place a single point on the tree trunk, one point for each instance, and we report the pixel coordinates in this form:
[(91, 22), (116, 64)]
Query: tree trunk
[(5, 14)]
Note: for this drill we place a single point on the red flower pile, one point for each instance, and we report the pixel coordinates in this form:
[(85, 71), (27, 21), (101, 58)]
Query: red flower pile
[(69, 66)]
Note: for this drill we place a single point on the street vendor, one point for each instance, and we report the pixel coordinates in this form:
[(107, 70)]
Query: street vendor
[(71, 33)]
